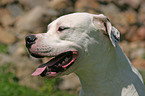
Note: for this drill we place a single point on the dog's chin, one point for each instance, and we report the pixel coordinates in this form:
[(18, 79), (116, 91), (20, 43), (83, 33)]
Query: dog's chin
[(57, 65)]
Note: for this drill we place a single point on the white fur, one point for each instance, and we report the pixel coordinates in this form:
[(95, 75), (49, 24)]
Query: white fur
[(102, 67)]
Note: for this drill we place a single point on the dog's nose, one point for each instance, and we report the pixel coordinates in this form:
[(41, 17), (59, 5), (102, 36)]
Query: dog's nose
[(30, 40)]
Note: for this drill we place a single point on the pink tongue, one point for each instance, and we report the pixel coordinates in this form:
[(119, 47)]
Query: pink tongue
[(38, 71)]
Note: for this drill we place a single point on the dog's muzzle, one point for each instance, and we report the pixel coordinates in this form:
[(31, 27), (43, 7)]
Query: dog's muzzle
[(57, 63)]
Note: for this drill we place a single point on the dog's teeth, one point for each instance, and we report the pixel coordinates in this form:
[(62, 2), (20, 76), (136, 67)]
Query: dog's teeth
[(66, 59), (63, 62), (47, 73), (59, 64)]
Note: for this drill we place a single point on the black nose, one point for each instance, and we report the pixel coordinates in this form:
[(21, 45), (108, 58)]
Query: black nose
[(30, 40)]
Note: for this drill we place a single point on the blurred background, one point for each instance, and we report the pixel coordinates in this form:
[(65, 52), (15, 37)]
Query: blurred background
[(19, 18)]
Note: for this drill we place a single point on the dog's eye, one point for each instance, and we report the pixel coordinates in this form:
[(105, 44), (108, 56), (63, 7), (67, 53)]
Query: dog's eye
[(61, 28)]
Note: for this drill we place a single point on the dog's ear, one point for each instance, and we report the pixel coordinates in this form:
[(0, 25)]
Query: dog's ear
[(102, 22)]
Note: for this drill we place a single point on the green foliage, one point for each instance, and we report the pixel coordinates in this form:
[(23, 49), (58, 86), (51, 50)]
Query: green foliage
[(9, 85), (51, 90), (49, 86), (3, 48)]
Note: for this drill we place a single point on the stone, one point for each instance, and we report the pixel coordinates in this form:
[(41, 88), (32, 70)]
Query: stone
[(131, 16), (104, 1), (63, 6), (4, 2), (141, 33), (121, 4), (137, 49), (5, 18), (36, 20), (141, 14), (6, 37), (133, 3), (18, 48), (137, 53), (130, 35), (136, 34), (70, 82), (87, 5), (139, 63), (15, 10), (127, 3), (59, 4), (34, 3)]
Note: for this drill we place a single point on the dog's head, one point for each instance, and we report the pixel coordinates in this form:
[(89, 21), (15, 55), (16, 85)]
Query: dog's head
[(69, 41)]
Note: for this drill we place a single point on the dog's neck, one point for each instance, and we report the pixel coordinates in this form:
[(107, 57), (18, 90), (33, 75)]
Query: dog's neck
[(106, 77)]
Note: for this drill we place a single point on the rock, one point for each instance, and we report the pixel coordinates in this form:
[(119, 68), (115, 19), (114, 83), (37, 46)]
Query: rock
[(141, 14), (130, 16), (137, 49), (70, 82), (87, 5), (130, 36), (133, 3), (136, 34), (20, 51), (4, 2), (34, 3), (137, 53), (121, 4), (6, 37), (36, 20), (125, 4), (18, 48), (5, 18), (59, 4), (141, 33), (63, 6), (104, 1), (139, 63), (15, 10)]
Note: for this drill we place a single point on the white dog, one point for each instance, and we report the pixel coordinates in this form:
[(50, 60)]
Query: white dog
[(86, 44)]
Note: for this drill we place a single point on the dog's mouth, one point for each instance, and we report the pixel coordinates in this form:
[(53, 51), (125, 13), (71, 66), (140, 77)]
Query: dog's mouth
[(56, 65)]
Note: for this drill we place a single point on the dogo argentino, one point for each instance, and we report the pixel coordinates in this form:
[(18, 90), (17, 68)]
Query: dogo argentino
[(87, 45)]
